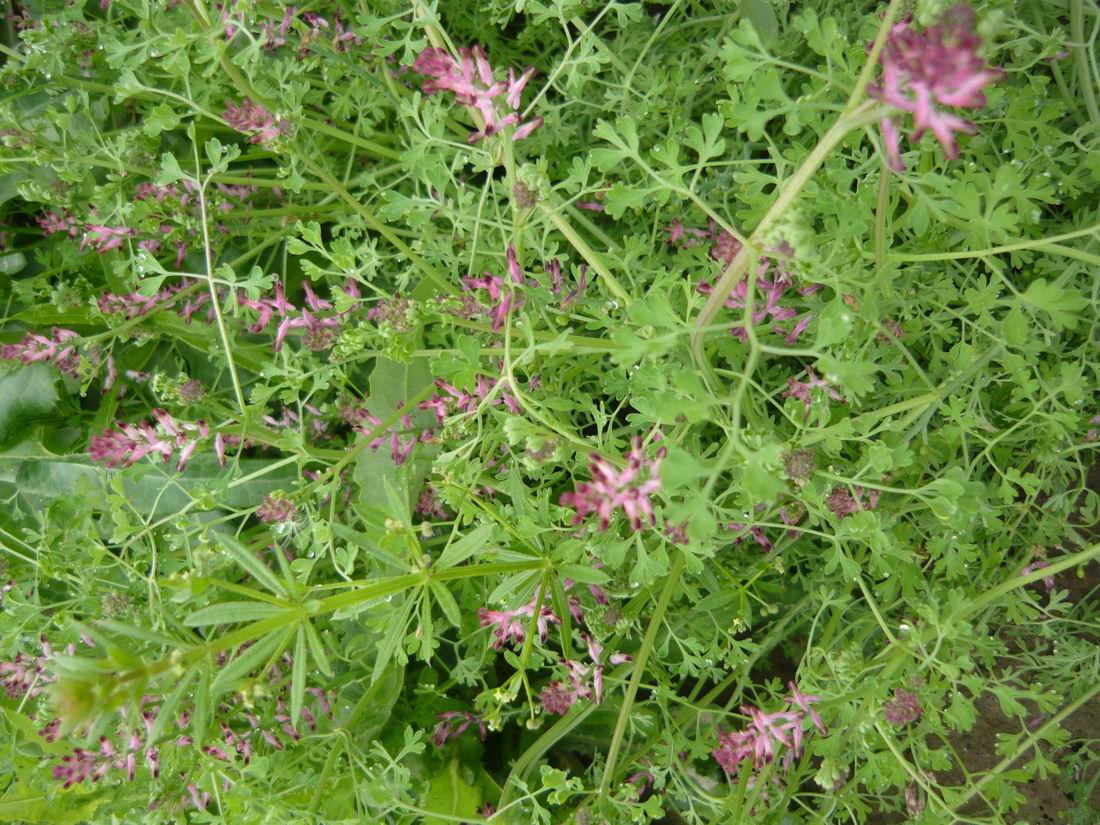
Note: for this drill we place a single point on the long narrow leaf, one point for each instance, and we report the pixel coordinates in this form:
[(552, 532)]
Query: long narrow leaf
[(298, 676), (248, 661), (252, 563), (231, 612), (317, 649)]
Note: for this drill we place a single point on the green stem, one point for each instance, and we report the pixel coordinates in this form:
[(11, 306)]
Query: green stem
[(368, 217), (1038, 243), (792, 188), (1081, 58), (590, 256), (881, 205), (1033, 738), (369, 145), (672, 581), (215, 301)]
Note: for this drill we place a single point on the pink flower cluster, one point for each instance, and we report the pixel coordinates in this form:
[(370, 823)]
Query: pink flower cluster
[(611, 489), (724, 248), (127, 444), (453, 400), (121, 752), (470, 79), (401, 443), (105, 238), (556, 282), (26, 676), (773, 290), (276, 510), (453, 723), (1093, 433), (35, 348), (342, 38), (510, 627), (253, 119), (133, 304), (842, 503), (804, 390), (558, 697), (320, 330), (788, 514), (274, 33), (768, 734), (501, 301), (921, 70), (53, 222), (428, 504), (903, 709)]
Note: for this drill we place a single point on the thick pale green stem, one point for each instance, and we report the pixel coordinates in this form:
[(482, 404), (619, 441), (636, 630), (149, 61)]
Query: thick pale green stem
[(792, 188), (857, 113), (1081, 58), (586, 252)]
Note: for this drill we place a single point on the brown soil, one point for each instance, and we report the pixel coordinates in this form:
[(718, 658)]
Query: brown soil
[(1070, 796)]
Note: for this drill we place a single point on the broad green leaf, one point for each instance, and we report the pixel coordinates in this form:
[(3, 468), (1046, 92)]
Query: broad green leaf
[(762, 16), (1060, 304), (204, 700), (170, 170), (26, 393), (855, 377), (762, 476), (679, 468), (1015, 326), (373, 709), (834, 324), (621, 197), (446, 602), (167, 709), (27, 808), (449, 795), (623, 136), (706, 142), (391, 385), (140, 633)]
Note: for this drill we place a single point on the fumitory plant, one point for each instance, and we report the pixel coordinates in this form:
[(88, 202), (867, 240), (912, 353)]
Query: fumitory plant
[(546, 411)]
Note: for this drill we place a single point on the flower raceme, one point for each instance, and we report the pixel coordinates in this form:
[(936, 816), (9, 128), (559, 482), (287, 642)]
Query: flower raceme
[(510, 626), (612, 489), (54, 349), (254, 120), (922, 70), (470, 79), (769, 734), (453, 723), (126, 444)]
